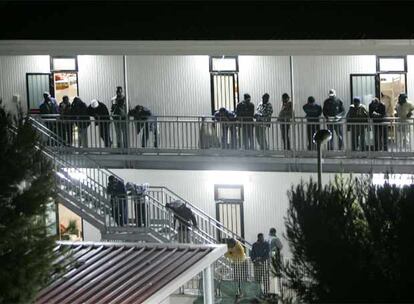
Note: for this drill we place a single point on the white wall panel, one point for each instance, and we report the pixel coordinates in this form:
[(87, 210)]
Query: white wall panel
[(265, 193), (315, 75), (410, 77), (99, 76), (264, 74), (91, 233), (170, 85), (13, 76)]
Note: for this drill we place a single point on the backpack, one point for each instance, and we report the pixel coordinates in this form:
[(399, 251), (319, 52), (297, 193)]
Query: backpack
[(331, 107)]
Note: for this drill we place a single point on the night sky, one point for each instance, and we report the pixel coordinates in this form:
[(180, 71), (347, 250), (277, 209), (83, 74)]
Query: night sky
[(213, 20)]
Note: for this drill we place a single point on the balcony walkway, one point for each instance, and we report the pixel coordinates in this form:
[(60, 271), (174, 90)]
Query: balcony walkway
[(199, 143)]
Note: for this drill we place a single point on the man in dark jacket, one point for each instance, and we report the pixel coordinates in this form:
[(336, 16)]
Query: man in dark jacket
[(377, 111), (66, 120), (245, 114), (81, 116), (260, 257), (47, 109), (357, 119), (143, 116), (100, 113), (119, 112), (333, 110), (313, 112), (116, 190), (185, 217), (226, 120)]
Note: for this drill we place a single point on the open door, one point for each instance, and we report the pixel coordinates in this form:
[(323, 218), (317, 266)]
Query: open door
[(36, 85)]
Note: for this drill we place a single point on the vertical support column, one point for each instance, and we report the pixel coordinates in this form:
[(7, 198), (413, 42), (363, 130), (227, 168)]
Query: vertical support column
[(319, 166), (126, 102), (208, 285)]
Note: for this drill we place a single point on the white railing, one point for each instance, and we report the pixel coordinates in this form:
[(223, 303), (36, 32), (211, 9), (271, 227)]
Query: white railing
[(203, 136)]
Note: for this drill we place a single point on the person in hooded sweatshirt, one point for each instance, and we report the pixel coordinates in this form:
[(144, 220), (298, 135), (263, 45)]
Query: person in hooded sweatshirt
[(83, 120), (404, 111), (185, 217), (313, 112), (100, 113)]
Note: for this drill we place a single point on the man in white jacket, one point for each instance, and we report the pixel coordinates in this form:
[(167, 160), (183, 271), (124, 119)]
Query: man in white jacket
[(404, 110)]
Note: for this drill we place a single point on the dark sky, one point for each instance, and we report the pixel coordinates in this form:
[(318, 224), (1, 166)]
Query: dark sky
[(212, 20)]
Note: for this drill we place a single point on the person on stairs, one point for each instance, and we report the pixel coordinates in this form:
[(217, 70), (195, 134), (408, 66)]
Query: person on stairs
[(116, 190), (185, 217)]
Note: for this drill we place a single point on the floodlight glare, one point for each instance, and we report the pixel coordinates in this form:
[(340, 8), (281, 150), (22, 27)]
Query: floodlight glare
[(322, 136)]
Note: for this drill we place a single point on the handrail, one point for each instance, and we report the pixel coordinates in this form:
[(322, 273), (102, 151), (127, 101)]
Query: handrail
[(211, 220), (57, 139)]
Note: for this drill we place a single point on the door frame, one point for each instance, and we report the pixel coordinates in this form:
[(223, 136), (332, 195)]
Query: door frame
[(222, 201)]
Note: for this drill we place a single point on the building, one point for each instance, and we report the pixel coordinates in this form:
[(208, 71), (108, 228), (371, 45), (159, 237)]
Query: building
[(188, 75)]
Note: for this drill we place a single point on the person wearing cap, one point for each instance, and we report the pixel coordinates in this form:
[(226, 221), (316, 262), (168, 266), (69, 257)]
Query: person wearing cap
[(66, 125), (119, 114), (263, 116), (226, 120), (245, 115), (313, 112), (285, 117), (100, 113), (404, 111), (357, 119), (377, 111), (333, 110)]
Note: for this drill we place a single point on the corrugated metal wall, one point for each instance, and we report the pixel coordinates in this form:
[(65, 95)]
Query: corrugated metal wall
[(315, 75), (170, 85), (13, 76), (410, 77), (99, 76), (264, 74), (265, 193)]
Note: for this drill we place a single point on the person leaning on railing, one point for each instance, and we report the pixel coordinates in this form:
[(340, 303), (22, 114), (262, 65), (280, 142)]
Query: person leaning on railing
[(226, 120), (333, 110), (83, 120), (313, 112), (235, 253), (100, 112)]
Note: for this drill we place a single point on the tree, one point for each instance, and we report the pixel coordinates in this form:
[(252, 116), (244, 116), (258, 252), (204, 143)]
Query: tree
[(26, 185), (351, 242)]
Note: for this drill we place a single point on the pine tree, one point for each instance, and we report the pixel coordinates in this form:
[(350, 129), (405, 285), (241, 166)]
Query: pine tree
[(351, 242), (26, 186)]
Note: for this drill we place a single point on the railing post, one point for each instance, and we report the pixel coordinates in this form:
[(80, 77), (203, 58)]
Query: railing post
[(208, 285)]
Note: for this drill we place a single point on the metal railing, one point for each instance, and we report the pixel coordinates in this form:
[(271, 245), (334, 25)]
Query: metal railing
[(203, 135)]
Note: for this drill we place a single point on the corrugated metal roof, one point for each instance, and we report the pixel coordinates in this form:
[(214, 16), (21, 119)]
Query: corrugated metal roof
[(118, 273)]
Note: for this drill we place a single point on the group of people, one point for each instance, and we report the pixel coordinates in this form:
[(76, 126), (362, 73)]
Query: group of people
[(78, 113), (234, 134), (263, 251), (118, 193)]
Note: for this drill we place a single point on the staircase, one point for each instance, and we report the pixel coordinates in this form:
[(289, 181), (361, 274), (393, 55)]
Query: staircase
[(81, 187)]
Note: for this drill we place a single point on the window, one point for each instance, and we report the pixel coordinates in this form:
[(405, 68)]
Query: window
[(65, 77), (64, 64), (391, 64), (228, 193), (224, 82)]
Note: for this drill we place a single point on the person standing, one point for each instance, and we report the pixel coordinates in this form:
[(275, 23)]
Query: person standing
[(245, 114), (276, 246), (226, 120), (377, 111), (357, 117), (83, 120), (119, 112), (260, 257), (47, 109), (285, 117), (65, 109), (100, 113), (117, 192), (333, 110), (404, 111), (313, 112), (263, 116)]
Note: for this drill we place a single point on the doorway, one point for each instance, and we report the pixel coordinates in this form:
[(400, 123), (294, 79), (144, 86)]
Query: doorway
[(66, 83), (229, 208)]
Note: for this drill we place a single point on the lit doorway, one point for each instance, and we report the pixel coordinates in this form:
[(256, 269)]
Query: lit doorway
[(65, 77), (229, 208)]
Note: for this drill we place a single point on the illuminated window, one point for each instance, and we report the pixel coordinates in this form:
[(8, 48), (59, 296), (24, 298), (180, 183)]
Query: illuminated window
[(64, 64)]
